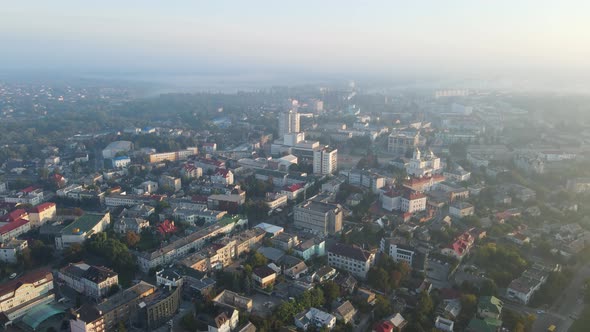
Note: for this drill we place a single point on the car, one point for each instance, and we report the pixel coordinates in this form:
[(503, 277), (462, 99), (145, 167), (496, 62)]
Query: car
[(540, 312), (12, 276)]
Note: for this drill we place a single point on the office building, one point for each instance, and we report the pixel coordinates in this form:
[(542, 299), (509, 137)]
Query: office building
[(318, 217)]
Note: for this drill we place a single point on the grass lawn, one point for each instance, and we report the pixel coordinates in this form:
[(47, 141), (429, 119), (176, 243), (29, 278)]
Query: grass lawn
[(583, 322)]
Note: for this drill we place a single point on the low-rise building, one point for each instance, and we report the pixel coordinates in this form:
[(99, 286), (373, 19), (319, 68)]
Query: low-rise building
[(489, 307), (444, 324), (21, 295), (461, 209), (345, 312), (93, 281), (397, 251), (14, 229), (263, 277), (352, 259), (310, 248), (9, 250), (42, 213), (82, 228), (125, 225), (316, 318), (412, 202)]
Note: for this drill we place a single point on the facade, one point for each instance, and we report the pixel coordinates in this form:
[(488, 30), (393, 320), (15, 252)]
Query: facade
[(400, 143), (461, 209), (160, 306), (444, 324), (21, 295), (116, 147), (82, 228), (391, 201), (136, 225), (170, 182), (223, 176), (264, 276), (14, 229), (423, 165), (413, 202), (93, 281), (120, 162), (288, 123), (352, 259), (10, 249), (310, 248), (105, 316), (398, 252), (173, 156), (42, 213), (318, 217), (325, 161), (190, 171)]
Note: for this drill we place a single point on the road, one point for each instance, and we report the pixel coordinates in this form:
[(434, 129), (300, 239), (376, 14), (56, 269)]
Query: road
[(570, 303)]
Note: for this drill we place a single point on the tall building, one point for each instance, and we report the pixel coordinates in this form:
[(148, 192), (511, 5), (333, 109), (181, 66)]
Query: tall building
[(318, 217), (288, 123), (325, 161)]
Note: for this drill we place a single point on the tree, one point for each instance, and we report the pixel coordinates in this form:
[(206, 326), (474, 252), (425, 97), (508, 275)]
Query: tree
[(468, 307), (331, 291), (383, 307), (121, 327), (131, 239), (257, 259)]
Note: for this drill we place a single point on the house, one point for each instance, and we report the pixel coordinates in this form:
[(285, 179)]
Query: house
[(224, 320), (316, 318), (345, 312), (351, 259), (136, 225), (461, 209), (9, 250), (324, 273), (460, 247), (484, 325), (263, 277), (489, 307), (444, 324), (394, 323), (293, 267), (310, 248), (223, 176)]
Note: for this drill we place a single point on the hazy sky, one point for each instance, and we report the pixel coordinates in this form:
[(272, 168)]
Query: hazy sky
[(440, 36)]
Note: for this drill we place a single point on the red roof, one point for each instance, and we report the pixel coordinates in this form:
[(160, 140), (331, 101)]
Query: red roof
[(222, 171), (385, 326), (412, 195), (58, 177), (42, 207), (294, 187), (166, 227), (29, 278), (13, 225), (28, 189), (16, 214), (199, 199)]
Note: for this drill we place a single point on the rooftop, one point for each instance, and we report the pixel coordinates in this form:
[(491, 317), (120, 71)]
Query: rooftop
[(83, 224)]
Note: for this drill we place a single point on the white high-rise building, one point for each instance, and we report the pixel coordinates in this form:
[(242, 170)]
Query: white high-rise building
[(288, 123), (325, 161)]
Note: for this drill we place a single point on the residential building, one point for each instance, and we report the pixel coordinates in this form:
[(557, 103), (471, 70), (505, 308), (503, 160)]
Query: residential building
[(275, 200), (412, 202), (325, 161), (14, 229), (461, 209), (9, 250), (42, 213), (284, 241), (391, 200), (318, 217), (395, 323), (223, 176), (310, 248), (288, 123), (190, 171), (263, 277), (21, 295), (159, 307), (489, 307), (105, 316), (30, 195), (353, 259), (170, 182), (316, 318), (82, 228), (136, 225), (460, 246), (229, 299), (92, 281), (345, 312), (424, 184), (444, 324), (224, 320)]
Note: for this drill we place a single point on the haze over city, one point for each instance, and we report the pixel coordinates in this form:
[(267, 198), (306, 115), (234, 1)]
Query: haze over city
[(537, 42)]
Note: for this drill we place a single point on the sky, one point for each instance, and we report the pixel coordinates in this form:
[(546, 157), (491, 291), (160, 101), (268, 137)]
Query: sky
[(438, 37)]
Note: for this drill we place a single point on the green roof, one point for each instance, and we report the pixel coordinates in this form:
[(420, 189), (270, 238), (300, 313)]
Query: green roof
[(484, 325), (84, 224), (39, 314), (229, 219), (491, 304)]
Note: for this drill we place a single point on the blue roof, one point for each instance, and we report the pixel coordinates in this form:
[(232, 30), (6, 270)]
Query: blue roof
[(121, 158)]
